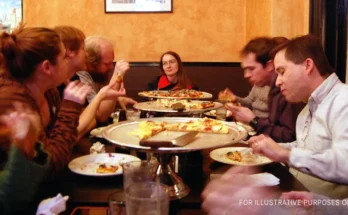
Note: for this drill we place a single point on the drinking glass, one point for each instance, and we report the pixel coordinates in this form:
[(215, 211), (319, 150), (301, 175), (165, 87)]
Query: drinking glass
[(221, 113), (117, 203), (136, 172), (132, 114)]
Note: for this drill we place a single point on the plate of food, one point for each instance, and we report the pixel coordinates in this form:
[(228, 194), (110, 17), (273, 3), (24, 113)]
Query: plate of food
[(176, 94), (241, 156), (97, 132), (177, 105), (212, 133), (104, 164)]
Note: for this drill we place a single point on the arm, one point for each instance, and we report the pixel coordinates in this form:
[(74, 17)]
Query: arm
[(248, 100)]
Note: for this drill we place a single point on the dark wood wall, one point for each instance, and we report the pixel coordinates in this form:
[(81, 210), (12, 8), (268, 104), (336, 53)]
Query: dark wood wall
[(210, 77)]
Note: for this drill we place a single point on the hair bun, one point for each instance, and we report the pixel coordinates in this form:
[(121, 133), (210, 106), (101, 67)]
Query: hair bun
[(8, 45)]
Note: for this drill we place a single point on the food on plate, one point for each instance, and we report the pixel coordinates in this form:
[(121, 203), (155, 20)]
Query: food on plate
[(103, 168), (204, 125), (148, 129), (187, 104), (183, 93), (234, 155)]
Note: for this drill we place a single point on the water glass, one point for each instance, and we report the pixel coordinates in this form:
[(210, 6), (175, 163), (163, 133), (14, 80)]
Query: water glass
[(117, 203), (147, 198), (221, 113), (132, 114), (136, 172)]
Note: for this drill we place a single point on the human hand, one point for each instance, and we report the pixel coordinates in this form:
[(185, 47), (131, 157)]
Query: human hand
[(121, 68), (109, 92), (76, 91), (25, 126), (266, 146), (227, 193), (241, 114), (124, 101), (227, 96), (306, 198)]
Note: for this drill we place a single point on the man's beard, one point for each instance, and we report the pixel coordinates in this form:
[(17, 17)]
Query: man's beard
[(101, 77)]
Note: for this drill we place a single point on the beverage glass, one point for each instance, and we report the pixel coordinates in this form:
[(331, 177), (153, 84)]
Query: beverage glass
[(132, 114), (147, 198), (117, 203), (137, 172), (221, 113)]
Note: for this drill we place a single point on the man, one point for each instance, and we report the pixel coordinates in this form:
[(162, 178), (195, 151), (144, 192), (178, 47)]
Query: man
[(321, 148), (257, 63), (101, 72)]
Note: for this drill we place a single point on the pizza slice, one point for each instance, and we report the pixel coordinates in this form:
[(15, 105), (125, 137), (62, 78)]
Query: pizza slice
[(148, 129), (204, 125), (103, 168), (234, 155)]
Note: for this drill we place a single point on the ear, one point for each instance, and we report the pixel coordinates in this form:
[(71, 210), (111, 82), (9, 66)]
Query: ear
[(308, 65), (270, 66), (46, 67), (69, 53)]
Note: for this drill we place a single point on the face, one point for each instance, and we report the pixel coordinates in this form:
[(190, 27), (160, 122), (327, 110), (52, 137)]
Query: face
[(106, 62), (254, 71), (60, 71), (291, 79), (77, 61), (170, 65)]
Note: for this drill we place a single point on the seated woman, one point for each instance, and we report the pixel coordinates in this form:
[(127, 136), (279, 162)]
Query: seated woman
[(32, 63), (172, 75)]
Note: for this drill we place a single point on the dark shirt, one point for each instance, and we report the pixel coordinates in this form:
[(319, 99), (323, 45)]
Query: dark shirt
[(153, 85)]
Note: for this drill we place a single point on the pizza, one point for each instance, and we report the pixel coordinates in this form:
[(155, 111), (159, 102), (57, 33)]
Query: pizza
[(148, 129), (234, 155), (183, 93), (169, 103), (103, 168), (204, 125)]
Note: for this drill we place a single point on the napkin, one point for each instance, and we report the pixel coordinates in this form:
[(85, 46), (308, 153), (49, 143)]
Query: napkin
[(97, 148), (52, 206), (264, 179)]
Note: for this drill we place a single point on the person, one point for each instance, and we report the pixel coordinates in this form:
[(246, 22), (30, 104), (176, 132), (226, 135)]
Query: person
[(257, 63), (99, 60), (26, 159), (318, 154), (33, 63), (73, 40), (172, 75)]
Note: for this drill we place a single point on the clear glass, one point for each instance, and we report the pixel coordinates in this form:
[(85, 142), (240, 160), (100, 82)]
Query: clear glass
[(117, 203), (221, 113), (136, 172), (147, 198), (132, 114)]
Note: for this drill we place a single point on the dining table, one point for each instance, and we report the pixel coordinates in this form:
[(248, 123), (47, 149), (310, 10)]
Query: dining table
[(88, 193)]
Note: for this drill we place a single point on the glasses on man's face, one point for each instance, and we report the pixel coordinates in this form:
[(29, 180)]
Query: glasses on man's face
[(171, 62)]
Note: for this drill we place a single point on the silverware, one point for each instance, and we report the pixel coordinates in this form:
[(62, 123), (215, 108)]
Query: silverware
[(180, 141)]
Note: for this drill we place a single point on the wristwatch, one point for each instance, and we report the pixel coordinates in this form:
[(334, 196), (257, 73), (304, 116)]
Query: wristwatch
[(253, 122)]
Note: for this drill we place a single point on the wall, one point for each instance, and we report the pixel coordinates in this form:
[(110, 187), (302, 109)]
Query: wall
[(199, 30)]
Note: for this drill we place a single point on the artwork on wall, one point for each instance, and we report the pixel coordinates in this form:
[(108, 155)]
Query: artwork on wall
[(10, 14), (138, 6)]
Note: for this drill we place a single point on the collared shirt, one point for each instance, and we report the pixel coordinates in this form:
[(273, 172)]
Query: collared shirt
[(321, 148)]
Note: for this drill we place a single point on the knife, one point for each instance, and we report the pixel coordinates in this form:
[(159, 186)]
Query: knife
[(180, 141)]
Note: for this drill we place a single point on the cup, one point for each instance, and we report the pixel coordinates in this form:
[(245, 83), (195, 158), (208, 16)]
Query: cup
[(147, 198), (117, 203), (132, 114), (137, 172), (221, 113)]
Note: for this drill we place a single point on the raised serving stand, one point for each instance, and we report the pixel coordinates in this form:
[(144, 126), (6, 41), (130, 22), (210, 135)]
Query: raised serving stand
[(119, 134)]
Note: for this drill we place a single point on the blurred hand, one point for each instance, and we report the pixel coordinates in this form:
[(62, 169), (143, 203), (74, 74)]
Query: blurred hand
[(124, 101), (121, 68), (266, 146), (305, 197), (76, 91), (241, 114), (225, 195), (25, 127), (109, 92), (227, 95)]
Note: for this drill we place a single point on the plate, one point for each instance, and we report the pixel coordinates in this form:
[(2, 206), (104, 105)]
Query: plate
[(119, 134), (97, 132), (158, 107), (220, 155), (205, 95), (87, 165)]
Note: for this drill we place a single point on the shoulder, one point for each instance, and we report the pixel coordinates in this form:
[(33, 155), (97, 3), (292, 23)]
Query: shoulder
[(84, 76)]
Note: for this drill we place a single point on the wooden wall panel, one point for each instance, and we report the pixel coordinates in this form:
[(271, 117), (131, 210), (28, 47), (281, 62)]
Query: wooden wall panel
[(199, 30)]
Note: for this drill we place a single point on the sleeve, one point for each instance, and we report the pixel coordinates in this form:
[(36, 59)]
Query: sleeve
[(282, 127), (328, 164), (288, 145), (63, 136), (247, 101), (14, 191), (87, 79)]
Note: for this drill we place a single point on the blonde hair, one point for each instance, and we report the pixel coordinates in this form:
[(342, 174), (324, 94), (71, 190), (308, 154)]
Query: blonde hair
[(93, 50)]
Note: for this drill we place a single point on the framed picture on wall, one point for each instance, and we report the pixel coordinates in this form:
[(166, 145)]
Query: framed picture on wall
[(138, 6), (10, 14)]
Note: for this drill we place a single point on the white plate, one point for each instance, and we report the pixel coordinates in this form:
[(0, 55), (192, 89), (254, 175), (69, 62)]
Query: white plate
[(220, 155), (97, 132), (88, 164)]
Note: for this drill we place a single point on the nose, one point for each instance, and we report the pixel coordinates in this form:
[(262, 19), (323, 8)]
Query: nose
[(247, 74), (278, 81)]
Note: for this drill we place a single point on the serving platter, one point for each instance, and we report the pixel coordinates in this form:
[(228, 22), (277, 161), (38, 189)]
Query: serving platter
[(158, 94), (156, 106), (120, 134)]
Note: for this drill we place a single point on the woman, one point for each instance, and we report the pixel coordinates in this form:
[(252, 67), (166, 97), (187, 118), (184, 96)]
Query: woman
[(32, 63), (172, 74)]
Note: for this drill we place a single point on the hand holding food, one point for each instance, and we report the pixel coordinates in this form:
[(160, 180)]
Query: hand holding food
[(241, 114), (76, 91), (121, 68), (227, 96)]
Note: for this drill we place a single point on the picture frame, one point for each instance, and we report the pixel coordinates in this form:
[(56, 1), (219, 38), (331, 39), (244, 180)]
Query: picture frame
[(11, 14), (138, 6)]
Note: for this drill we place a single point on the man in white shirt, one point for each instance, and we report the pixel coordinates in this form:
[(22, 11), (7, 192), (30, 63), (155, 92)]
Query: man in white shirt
[(320, 152), (101, 72)]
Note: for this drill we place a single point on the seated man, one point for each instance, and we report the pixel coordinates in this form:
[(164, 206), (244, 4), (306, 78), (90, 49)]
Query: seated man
[(321, 148), (257, 63), (101, 72)]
